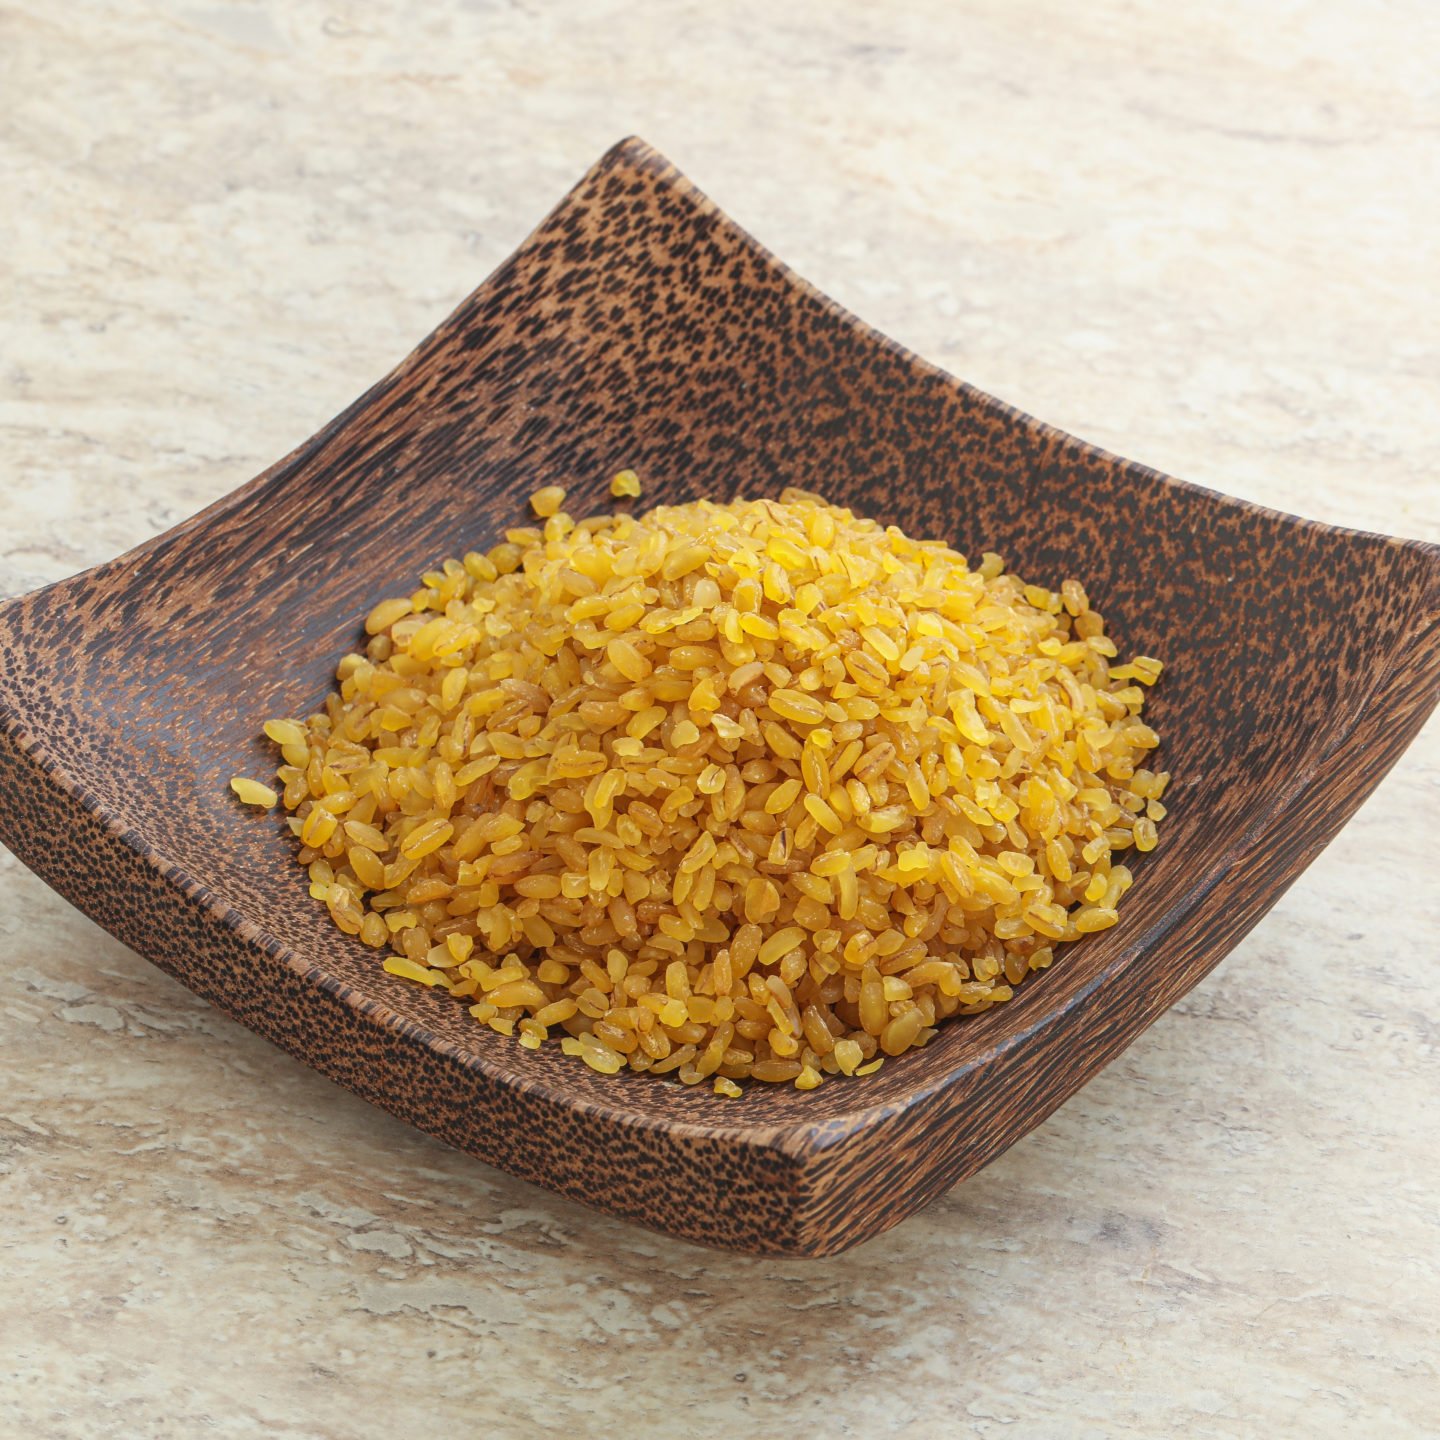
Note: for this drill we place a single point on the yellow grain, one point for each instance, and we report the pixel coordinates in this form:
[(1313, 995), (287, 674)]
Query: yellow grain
[(723, 791), (547, 500), (252, 792)]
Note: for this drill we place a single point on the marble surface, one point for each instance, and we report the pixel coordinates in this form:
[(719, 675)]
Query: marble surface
[(1205, 236)]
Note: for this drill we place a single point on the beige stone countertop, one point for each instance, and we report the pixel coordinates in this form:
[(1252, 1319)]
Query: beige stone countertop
[(1206, 236)]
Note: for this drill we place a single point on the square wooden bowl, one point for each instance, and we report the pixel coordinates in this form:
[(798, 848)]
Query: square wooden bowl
[(640, 327)]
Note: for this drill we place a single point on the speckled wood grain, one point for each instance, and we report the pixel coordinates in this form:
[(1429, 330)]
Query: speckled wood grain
[(640, 327)]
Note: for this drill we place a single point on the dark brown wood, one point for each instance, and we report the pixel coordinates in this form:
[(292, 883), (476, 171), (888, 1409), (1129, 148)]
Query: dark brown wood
[(640, 327)]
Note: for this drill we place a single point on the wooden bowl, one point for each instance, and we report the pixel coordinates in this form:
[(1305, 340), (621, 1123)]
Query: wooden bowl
[(640, 327)]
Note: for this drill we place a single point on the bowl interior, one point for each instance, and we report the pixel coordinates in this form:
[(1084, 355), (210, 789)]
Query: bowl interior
[(639, 327)]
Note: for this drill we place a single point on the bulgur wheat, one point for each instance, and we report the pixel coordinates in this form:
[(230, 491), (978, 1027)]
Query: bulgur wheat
[(757, 790)]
